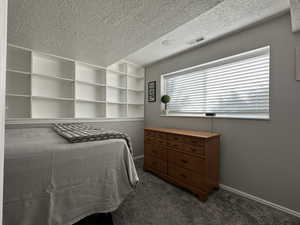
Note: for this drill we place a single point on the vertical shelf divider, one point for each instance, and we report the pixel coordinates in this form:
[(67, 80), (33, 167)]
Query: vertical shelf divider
[(106, 94), (126, 91), (74, 89), (30, 100)]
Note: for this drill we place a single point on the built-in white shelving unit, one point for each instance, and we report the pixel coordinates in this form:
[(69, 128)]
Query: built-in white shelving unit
[(135, 90), (43, 86)]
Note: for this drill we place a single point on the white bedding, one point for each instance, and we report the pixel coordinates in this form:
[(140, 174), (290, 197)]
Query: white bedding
[(48, 181)]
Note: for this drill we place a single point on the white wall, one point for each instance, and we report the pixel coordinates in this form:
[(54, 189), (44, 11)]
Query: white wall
[(258, 157), (3, 29)]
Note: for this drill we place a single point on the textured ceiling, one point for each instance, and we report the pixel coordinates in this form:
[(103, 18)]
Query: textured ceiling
[(226, 17), (97, 31)]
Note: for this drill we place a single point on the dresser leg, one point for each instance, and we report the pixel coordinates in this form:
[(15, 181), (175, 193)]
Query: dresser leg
[(202, 196), (216, 188)]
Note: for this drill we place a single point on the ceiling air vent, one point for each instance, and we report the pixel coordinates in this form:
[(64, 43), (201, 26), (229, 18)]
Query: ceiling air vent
[(195, 41)]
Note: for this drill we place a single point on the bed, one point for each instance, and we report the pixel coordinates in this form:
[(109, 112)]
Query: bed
[(49, 181)]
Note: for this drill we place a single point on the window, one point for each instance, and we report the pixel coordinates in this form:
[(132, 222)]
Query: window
[(236, 86)]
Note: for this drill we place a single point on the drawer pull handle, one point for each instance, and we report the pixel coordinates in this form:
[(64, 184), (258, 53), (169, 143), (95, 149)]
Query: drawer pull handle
[(184, 161)]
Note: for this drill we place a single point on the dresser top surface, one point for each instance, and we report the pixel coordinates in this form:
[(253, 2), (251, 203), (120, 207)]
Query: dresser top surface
[(201, 134)]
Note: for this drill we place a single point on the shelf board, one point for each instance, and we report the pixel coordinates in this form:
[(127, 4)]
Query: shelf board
[(116, 87), (18, 71), (90, 118), (135, 90), (90, 83), (53, 98), (92, 101), (15, 119), (94, 67), (118, 72), (117, 117), (118, 103), (17, 95), (52, 77), (29, 120), (138, 104), (136, 76)]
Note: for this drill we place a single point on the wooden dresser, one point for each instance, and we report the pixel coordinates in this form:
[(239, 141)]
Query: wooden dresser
[(185, 158)]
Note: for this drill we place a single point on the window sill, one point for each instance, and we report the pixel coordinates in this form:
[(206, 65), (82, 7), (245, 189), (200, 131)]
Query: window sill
[(220, 116)]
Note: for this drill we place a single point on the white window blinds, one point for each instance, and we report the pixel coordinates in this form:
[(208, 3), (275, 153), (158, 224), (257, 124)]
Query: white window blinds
[(236, 86)]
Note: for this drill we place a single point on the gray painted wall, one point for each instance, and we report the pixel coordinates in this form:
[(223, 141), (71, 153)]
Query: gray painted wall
[(258, 157), (133, 128)]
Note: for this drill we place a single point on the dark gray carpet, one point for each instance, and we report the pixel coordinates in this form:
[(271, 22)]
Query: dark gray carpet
[(155, 202)]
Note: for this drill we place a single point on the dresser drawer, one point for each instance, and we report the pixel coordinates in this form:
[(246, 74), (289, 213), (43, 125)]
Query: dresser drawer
[(155, 135), (194, 149), (195, 141), (174, 145), (151, 134), (186, 176), (175, 138), (191, 149), (156, 151), (161, 135), (149, 139), (155, 165), (161, 142), (187, 161)]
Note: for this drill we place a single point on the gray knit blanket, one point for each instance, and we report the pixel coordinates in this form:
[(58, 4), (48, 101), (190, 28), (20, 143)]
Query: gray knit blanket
[(80, 132)]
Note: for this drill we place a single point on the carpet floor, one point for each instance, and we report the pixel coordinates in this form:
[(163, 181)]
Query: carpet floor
[(156, 202)]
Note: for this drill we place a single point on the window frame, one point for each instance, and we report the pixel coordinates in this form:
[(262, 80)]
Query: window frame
[(214, 63)]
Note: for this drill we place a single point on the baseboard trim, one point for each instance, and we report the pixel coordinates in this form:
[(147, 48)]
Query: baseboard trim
[(260, 200), (138, 157)]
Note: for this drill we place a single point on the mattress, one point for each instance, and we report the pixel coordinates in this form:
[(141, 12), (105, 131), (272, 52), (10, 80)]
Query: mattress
[(49, 181)]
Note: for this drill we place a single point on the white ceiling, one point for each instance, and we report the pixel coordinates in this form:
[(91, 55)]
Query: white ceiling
[(104, 31), (226, 17), (97, 31)]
